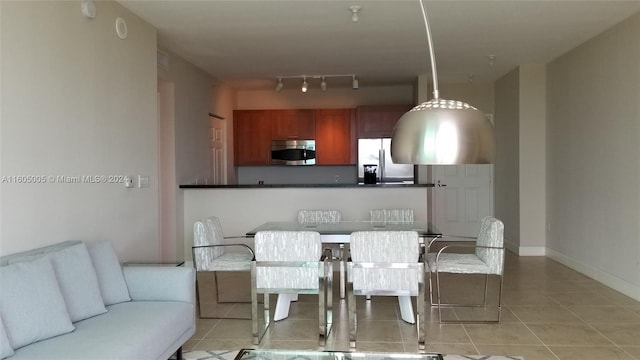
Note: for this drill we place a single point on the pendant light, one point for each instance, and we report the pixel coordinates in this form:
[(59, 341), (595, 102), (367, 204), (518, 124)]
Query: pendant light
[(442, 132)]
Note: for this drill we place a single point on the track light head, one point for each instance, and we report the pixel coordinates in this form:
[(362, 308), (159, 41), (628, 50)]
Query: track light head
[(279, 85), (305, 86), (354, 12), (323, 84), (355, 84)]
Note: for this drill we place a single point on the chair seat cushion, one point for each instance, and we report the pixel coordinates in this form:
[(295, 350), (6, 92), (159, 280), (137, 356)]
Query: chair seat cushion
[(231, 262), (457, 263)]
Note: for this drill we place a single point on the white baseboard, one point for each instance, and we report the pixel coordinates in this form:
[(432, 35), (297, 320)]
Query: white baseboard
[(525, 250), (607, 279)]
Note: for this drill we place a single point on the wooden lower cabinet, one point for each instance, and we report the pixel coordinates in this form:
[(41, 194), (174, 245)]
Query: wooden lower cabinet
[(252, 137), (335, 140)]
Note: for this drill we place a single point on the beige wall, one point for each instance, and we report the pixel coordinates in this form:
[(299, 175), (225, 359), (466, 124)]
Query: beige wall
[(77, 100), (507, 174), (593, 157), (532, 121)]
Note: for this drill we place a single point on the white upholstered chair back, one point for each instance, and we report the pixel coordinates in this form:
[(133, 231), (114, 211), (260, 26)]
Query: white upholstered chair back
[(287, 246), (491, 235), (385, 247), (392, 215), (319, 216), (207, 231)]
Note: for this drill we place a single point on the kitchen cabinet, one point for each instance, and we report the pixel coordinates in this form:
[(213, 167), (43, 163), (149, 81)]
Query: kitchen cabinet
[(293, 124), (252, 143), (335, 143), (378, 121)]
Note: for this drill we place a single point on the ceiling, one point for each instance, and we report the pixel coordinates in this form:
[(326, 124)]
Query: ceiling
[(249, 43)]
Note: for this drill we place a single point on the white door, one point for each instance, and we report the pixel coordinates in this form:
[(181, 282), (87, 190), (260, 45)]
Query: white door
[(462, 196), (217, 148)]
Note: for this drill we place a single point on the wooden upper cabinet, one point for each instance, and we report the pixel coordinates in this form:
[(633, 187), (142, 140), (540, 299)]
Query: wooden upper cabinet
[(295, 124), (252, 143), (378, 121), (335, 144)]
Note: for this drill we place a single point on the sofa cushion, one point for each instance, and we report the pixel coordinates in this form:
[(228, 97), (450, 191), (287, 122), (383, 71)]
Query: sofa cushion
[(129, 330), (78, 282), (110, 279), (5, 348), (31, 304)]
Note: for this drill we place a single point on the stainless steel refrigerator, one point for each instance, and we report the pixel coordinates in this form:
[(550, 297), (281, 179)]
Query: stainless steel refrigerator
[(378, 152)]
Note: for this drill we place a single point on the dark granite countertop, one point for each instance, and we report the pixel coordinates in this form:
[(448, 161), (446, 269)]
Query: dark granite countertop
[(273, 186)]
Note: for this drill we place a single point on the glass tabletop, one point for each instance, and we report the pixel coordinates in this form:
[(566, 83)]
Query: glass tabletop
[(347, 227), (274, 354)]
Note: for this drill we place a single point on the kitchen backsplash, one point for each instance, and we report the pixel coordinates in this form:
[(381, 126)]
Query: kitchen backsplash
[(289, 175)]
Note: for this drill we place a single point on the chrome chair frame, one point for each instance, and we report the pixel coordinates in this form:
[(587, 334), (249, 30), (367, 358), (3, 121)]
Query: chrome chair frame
[(324, 291), (215, 269), (485, 222), (419, 265)]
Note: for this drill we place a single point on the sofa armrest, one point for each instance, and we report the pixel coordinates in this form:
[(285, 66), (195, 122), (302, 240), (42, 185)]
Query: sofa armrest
[(160, 283)]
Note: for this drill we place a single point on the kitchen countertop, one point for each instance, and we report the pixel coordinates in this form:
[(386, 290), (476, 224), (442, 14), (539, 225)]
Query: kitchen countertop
[(272, 186)]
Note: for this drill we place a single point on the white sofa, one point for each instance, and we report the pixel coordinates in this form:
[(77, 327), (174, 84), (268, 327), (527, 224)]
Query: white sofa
[(74, 301)]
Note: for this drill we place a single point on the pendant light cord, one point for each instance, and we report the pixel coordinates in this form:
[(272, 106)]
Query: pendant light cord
[(436, 95)]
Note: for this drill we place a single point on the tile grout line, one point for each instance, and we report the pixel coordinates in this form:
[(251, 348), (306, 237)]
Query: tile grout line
[(534, 334)]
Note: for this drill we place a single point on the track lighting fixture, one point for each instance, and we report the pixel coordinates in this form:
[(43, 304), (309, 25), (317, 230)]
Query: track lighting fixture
[(322, 78)]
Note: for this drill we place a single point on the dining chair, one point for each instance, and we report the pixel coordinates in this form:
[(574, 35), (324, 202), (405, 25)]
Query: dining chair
[(385, 263), (391, 216), (486, 259), (291, 262), (319, 216), (210, 254), (331, 216)]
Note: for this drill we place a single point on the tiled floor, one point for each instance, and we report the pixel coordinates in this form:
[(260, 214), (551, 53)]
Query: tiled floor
[(549, 312)]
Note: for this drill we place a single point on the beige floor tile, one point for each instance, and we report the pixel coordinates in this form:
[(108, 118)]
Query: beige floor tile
[(527, 297), (203, 326), (634, 351), (230, 330), (224, 345), (529, 352), (621, 334), (459, 349), (589, 352), (584, 298), (379, 330), (485, 314), (544, 314), (568, 334), (190, 345), (379, 346), (501, 334), (605, 314), (294, 329), (447, 333)]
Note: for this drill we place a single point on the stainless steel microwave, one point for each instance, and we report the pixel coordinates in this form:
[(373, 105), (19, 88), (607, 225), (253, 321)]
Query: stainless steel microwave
[(293, 152)]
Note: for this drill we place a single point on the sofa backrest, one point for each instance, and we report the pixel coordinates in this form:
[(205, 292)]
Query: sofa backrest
[(12, 258)]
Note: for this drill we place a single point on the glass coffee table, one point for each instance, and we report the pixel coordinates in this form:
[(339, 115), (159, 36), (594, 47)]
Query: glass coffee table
[(274, 354)]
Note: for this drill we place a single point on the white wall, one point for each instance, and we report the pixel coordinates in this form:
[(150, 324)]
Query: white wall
[(77, 100), (593, 157), (241, 210)]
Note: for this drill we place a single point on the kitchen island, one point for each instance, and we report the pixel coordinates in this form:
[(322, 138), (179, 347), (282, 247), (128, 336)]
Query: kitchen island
[(241, 208)]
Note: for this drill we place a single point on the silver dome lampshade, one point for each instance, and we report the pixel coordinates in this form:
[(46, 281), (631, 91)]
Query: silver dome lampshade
[(442, 132)]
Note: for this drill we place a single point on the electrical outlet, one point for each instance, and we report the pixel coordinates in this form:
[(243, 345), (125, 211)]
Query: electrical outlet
[(143, 181)]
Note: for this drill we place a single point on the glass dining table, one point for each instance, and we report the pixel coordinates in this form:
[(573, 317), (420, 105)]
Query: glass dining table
[(340, 233)]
